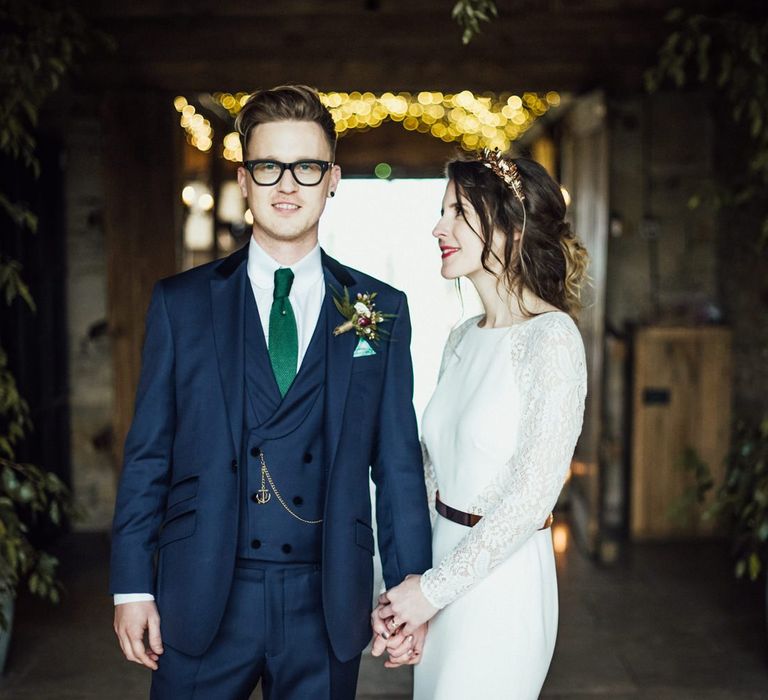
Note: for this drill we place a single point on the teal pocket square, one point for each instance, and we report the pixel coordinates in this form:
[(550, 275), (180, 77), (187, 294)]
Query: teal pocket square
[(363, 349)]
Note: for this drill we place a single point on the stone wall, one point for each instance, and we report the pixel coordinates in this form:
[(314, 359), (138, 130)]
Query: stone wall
[(90, 353), (662, 259), (742, 253)]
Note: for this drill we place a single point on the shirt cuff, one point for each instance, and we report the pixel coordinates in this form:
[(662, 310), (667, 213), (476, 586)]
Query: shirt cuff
[(121, 598)]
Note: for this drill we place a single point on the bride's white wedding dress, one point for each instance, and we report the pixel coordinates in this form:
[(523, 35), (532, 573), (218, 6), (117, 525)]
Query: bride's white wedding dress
[(498, 437)]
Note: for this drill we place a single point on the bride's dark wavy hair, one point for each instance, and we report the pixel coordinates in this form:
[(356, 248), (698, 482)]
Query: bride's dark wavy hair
[(549, 259)]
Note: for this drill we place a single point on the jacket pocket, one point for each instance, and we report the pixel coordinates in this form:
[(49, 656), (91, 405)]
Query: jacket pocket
[(364, 536), (182, 490), (179, 523), (368, 364)]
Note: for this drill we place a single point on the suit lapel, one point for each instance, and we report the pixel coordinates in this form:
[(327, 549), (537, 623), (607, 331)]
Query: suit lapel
[(340, 355), (227, 303)]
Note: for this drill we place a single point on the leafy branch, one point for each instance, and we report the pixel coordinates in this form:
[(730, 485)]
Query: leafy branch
[(729, 54), (40, 43), (470, 13), (740, 503), (39, 496)]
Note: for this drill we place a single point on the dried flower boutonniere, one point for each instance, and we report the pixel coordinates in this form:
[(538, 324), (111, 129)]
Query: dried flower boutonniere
[(361, 314)]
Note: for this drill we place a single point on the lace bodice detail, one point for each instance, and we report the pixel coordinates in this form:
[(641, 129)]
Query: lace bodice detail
[(540, 364)]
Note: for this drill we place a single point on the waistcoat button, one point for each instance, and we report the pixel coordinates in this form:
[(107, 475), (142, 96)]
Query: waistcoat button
[(255, 544), (255, 451), (287, 548), (298, 501), (307, 457)]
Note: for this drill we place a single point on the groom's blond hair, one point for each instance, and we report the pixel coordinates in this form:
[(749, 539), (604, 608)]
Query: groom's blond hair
[(299, 103)]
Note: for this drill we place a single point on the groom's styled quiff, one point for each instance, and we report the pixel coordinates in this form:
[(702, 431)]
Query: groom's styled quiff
[(298, 103)]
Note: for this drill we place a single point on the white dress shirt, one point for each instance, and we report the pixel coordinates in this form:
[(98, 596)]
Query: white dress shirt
[(306, 297)]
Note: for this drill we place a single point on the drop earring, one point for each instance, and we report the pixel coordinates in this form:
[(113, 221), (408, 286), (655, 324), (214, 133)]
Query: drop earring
[(331, 194)]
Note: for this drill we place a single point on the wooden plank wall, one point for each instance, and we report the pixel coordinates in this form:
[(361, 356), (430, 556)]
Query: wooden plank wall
[(140, 133), (681, 400)]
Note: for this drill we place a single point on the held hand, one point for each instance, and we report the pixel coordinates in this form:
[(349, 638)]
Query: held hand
[(406, 650), (406, 605), (381, 629), (131, 621), (382, 633)]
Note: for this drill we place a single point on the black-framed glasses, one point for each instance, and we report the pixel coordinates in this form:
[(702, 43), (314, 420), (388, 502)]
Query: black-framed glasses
[(305, 172)]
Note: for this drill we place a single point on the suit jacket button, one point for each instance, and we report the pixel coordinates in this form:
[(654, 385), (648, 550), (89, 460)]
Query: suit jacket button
[(287, 549), (307, 457), (255, 497), (255, 544), (234, 465), (255, 451), (298, 501)]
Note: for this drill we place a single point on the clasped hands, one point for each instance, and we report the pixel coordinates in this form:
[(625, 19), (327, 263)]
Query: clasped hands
[(399, 623)]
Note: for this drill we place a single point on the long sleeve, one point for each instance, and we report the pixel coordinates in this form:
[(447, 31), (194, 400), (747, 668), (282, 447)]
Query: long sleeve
[(430, 479), (144, 481), (401, 517), (552, 375)]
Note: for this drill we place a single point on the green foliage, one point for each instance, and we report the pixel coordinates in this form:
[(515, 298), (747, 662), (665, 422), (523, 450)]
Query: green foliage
[(729, 54), (14, 411), (741, 501), (39, 45), (28, 496), (470, 13), (701, 483)]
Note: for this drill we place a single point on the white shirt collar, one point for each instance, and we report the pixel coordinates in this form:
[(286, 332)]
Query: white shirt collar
[(261, 268)]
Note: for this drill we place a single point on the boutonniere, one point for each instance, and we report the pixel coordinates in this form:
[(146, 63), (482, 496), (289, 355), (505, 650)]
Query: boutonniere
[(361, 315)]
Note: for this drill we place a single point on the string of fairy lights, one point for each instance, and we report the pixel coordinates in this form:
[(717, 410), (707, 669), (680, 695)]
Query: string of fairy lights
[(470, 120)]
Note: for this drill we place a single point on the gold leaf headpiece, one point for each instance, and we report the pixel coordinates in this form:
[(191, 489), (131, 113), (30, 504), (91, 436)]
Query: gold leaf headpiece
[(504, 169)]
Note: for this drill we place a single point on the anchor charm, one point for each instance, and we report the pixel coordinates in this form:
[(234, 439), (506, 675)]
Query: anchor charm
[(262, 496)]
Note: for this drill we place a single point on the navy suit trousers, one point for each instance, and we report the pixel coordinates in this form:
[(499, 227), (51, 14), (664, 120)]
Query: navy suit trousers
[(273, 631)]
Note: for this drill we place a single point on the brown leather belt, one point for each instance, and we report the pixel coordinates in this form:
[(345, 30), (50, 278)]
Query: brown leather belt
[(471, 519)]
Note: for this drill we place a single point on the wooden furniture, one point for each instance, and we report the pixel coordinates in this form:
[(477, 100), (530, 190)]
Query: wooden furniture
[(681, 405)]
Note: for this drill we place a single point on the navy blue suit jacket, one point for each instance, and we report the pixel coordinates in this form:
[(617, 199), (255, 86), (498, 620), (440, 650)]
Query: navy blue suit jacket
[(176, 518)]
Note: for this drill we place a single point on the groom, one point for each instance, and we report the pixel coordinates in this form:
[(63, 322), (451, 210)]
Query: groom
[(242, 540)]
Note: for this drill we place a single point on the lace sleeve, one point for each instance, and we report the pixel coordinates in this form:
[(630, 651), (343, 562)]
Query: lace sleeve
[(430, 476), (430, 479), (516, 503)]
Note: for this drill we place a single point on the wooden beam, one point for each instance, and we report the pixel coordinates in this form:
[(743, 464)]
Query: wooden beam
[(140, 189)]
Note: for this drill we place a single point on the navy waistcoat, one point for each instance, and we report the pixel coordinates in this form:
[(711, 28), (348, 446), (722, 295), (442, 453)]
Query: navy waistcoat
[(288, 431)]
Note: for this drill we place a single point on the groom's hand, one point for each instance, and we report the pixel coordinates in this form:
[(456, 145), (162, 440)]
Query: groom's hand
[(406, 650), (131, 621)]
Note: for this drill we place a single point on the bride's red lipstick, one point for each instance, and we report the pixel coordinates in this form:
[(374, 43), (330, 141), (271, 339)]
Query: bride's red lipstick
[(447, 251)]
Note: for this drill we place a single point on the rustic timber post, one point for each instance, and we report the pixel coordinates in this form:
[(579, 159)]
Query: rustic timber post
[(140, 188)]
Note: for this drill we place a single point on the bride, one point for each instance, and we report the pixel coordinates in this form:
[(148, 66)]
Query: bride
[(498, 437)]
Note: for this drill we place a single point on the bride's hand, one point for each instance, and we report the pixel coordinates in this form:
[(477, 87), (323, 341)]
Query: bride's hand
[(406, 605)]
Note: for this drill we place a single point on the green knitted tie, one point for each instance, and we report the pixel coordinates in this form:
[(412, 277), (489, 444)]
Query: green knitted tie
[(283, 338)]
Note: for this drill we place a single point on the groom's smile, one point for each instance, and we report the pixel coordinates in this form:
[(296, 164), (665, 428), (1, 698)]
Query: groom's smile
[(286, 207)]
